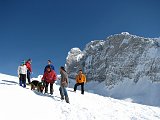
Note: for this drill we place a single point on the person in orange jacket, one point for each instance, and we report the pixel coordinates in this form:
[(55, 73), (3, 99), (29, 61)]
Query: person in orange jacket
[(80, 80)]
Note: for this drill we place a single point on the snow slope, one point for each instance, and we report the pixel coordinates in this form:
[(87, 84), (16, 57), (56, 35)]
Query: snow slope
[(20, 103), (142, 92)]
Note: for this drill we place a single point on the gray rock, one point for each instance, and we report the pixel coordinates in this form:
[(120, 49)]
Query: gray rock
[(118, 57)]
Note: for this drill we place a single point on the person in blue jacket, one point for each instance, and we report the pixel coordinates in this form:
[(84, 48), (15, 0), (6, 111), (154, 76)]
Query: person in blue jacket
[(49, 65)]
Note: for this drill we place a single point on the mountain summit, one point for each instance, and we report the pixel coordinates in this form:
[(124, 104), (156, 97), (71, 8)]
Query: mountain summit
[(119, 57)]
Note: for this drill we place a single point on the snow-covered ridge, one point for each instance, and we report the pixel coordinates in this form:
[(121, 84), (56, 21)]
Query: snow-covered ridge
[(118, 59), (118, 52), (125, 33), (75, 53)]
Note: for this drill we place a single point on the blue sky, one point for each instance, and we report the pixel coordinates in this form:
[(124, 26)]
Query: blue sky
[(48, 29)]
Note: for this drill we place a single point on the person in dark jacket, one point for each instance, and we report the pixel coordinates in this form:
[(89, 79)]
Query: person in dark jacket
[(63, 84), (49, 64), (49, 77), (29, 70)]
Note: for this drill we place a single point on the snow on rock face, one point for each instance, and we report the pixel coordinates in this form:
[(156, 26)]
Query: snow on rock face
[(118, 57), (125, 33), (72, 61)]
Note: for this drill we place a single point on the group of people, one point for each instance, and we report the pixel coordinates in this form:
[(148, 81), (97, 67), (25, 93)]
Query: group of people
[(49, 78)]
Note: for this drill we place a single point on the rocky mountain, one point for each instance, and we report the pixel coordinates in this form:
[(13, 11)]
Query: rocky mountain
[(119, 57)]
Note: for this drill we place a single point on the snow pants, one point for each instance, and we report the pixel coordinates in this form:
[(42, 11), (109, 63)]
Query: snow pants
[(82, 87), (22, 80), (46, 87), (29, 76)]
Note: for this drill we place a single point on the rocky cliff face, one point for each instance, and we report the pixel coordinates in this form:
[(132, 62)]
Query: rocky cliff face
[(118, 57)]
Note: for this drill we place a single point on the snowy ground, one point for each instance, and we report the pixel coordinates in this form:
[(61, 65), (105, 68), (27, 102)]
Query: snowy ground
[(143, 92), (19, 103)]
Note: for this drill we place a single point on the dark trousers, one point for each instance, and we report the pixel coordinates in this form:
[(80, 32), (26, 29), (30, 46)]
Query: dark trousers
[(46, 87), (22, 80), (29, 76), (82, 87)]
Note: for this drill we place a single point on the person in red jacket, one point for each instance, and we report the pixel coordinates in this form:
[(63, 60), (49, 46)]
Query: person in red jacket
[(29, 70), (49, 77)]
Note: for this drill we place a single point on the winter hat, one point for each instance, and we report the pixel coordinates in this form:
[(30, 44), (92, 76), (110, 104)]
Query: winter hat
[(23, 62), (29, 59)]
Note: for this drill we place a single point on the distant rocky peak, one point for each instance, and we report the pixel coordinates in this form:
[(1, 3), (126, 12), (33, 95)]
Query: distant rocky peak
[(119, 57), (125, 33)]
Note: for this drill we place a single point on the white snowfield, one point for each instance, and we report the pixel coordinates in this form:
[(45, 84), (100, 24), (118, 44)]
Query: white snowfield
[(17, 103)]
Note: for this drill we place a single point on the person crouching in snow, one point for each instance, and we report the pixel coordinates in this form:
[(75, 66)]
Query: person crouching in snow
[(80, 80), (49, 77), (63, 84), (22, 73)]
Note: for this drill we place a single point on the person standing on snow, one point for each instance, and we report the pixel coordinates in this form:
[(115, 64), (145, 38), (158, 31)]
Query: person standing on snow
[(29, 70), (80, 80), (49, 77), (22, 72), (63, 84), (49, 64)]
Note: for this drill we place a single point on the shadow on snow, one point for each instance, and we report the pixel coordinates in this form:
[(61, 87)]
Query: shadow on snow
[(56, 98), (8, 82)]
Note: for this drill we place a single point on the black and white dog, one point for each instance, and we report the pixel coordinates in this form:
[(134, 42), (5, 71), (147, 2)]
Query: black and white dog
[(36, 84)]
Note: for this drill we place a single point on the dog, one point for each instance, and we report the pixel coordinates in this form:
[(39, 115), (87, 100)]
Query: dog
[(38, 85)]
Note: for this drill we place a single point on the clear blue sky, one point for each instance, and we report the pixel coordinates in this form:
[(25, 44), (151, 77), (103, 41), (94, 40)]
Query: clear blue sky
[(48, 29)]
